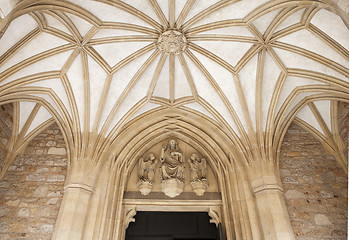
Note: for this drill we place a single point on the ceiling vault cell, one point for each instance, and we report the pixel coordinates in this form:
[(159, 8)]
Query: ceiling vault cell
[(251, 67)]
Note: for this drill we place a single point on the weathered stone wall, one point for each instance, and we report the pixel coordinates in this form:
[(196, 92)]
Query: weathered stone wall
[(32, 189), (315, 187), (6, 119), (343, 124)]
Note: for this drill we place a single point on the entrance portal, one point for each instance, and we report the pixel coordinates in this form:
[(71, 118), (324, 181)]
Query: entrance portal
[(172, 226)]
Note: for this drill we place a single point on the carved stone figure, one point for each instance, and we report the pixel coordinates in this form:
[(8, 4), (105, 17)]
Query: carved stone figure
[(172, 161), (198, 172), (172, 169), (198, 168), (146, 168), (146, 173)]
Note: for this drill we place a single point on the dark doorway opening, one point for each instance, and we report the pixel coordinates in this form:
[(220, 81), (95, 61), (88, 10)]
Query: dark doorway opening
[(172, 226)]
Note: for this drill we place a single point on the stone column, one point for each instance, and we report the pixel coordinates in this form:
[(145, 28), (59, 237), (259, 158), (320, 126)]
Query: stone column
[(78, 189), (270, 201)]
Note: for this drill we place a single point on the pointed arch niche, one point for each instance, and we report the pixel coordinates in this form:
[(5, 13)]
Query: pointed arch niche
[(228, 199), (186, 201)]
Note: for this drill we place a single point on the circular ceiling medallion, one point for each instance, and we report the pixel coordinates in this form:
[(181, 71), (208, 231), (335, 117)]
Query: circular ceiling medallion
[(172, 42)]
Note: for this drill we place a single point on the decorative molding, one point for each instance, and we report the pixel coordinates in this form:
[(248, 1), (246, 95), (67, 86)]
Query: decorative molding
[(172, 187), (214, 213), (172, 42), (268, 187), (212, 207), (130, 212), (81, 186), (155, 196)]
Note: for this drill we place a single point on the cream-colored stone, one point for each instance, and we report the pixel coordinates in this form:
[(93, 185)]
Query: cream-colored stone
[(145, 187), (199, 187), (41, 191), (321, 219), (116, 95), (35, 178), (294, 194), (172, 42), (57, 151), (23, 212), (52, 201), (23, 205), (172, 187), (198, 172), (146, 173), (13, 203), (46, 228)]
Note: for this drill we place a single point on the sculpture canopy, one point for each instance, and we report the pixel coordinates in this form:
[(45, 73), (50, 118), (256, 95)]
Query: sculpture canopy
[(252, 66)]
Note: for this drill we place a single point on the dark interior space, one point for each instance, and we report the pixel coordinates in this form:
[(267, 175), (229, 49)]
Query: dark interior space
[(172, 226)]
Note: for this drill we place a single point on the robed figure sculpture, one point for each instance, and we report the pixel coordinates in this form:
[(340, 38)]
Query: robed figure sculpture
[(198, 172), (172, 169), (172, 162), (146, 173)]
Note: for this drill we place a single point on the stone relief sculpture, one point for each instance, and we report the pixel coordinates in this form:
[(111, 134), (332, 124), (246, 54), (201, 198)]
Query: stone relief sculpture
[(198, 168), (172, 161), (198, 172), (172, 169), (146, 173), (172, 42)]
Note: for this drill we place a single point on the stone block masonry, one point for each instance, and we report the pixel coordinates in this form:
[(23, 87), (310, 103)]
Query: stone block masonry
[(32, 189), (343, 124), (6, 119), (315, 186)]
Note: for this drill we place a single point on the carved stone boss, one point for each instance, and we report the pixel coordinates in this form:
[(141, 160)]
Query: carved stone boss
[(172, 171), (172, 42)]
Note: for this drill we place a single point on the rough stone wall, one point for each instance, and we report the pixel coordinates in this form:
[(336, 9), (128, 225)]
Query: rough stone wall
[(315, 188), (32, 189), (343, 124), (6, 119)]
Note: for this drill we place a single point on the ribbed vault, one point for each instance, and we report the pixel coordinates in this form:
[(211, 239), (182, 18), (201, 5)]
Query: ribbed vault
[(227, 77), (250, 66)]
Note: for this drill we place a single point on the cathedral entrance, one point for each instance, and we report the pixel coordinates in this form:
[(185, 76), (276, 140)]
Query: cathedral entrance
[(172, 193), (172, 226)]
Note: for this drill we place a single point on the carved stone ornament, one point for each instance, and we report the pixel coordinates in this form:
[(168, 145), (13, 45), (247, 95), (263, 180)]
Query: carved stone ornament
[(199, 187), (172, 169), (172, 42), (146, 173), (130, 212), (214, 213), (172, 187), (198, 172)]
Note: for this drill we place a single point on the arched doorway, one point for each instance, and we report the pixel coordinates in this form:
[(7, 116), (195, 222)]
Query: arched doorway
[(185, 193), (228, 198)]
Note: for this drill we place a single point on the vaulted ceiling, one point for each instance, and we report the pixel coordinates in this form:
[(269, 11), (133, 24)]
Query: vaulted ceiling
[(252, 66)]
